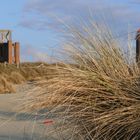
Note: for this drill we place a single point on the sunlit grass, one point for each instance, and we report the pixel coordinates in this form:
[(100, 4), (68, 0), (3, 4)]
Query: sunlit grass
[(97, 92)]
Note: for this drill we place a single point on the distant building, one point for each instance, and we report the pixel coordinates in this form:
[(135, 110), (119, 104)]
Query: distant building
[(9, 51)]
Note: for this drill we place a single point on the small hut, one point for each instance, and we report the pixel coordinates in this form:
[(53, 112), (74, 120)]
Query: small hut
[(9, 51)]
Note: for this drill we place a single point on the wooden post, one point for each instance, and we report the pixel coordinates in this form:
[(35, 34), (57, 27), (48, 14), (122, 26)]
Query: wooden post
[(10, 59), (16, 52)]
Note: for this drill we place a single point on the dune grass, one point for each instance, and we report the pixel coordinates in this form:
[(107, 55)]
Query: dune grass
[(97, 92), (11, 75)]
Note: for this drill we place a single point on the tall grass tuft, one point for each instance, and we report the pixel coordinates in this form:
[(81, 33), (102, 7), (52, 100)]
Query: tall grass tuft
[(97, 91), (10, 75)]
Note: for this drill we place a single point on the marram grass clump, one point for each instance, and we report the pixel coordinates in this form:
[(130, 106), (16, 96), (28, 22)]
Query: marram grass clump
[(97, 92)]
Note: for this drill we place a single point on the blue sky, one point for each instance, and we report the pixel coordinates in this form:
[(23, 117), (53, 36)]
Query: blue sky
[(35, 22)]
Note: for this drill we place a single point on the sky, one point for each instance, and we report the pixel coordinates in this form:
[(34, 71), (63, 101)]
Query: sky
[(35, 23)]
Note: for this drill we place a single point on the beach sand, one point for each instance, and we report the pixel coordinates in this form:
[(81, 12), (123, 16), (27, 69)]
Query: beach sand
[(16, 125)]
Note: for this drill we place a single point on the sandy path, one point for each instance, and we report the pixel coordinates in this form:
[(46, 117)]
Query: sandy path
[(21, 126)]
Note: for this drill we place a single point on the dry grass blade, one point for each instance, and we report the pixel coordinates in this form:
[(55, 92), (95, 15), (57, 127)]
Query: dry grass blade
[(11, 75), (98, 95)]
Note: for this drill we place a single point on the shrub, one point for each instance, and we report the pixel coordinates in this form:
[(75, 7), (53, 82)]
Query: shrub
[(97, 92), (5, 86), (16, 78)]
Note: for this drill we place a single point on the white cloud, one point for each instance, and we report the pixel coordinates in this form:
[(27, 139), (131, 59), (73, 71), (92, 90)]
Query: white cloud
[(44, 14)]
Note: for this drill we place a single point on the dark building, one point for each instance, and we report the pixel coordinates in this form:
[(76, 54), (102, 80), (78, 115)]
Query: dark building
[(9, 51)]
